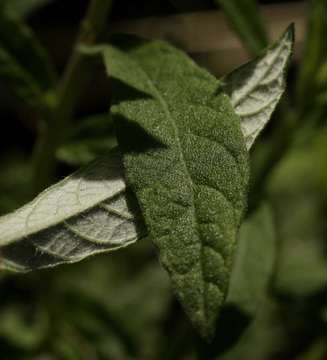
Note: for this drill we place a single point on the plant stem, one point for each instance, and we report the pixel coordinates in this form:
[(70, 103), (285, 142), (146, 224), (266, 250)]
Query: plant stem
[(74, 81)]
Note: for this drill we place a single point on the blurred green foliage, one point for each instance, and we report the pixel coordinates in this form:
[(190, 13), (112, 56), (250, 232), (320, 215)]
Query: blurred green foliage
[(24, 64), (91, 137), (22, 8), (248, 24), (120, 306)]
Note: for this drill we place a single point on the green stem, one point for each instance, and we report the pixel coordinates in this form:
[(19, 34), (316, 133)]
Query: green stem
[(73, 83)]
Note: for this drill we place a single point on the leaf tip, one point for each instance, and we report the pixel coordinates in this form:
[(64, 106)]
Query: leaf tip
[(290, 33), (206, 331)]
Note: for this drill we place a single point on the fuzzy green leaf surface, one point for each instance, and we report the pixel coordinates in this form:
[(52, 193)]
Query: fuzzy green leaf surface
[(256, 87), (84, 214), (186, 160), (24, 64)]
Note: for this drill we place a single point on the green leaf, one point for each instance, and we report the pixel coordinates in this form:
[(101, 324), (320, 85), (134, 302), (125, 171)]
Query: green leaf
[(252, 271), (84, 214), (185, 159), (94, 127), (89, 138), (263, 338), (298, 198), (21, 8), (254, 262), (256, 87), (24, 64), (245, 18), (81, 152)]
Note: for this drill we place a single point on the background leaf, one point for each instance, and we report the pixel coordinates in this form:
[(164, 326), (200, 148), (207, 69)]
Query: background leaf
[(21, 8), (300, 218), (256, 87), (262, 339), (84, 214), (81, 316), (246, 20), (89, 138), (254, 262), (24, 64), (250, 279)]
